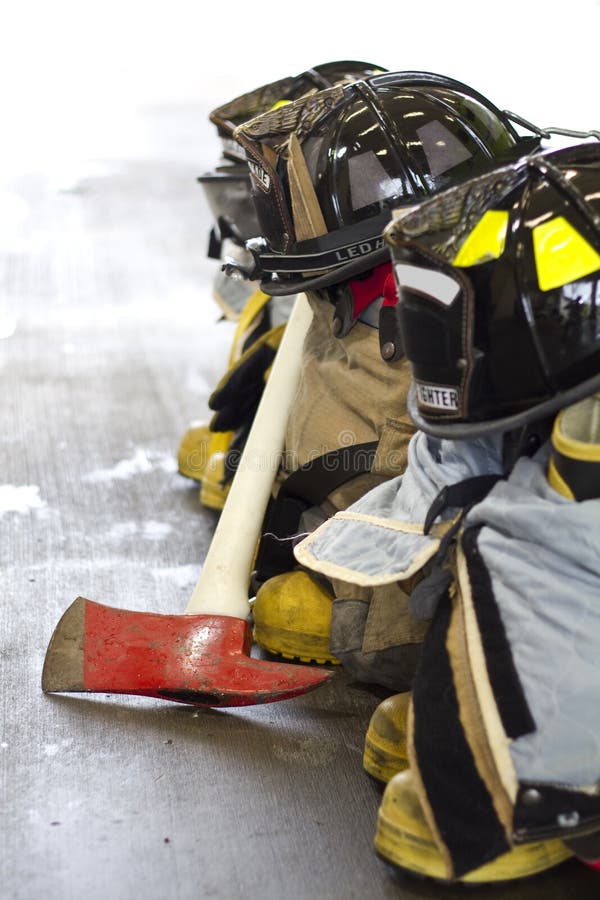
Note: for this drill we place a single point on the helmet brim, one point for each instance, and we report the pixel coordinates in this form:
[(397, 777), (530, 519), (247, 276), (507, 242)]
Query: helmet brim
[(281, 288)]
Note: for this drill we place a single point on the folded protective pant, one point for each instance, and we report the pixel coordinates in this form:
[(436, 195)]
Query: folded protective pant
[(505, 721)]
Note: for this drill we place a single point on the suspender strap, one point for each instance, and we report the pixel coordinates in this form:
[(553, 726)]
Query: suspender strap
[(307, 486), (462, 494)]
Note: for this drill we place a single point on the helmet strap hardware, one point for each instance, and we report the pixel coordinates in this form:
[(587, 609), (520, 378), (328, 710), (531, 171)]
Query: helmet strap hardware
[(343, 317), (390, 335), (546, 133)]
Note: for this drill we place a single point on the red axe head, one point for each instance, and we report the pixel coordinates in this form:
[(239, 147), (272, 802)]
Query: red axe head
[(201, 659)]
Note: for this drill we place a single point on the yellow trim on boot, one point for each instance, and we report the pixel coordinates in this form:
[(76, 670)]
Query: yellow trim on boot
[(292, 618), (385, 752), (576, 430), (201, 457), (557, 482), (403, 838), (574, 466), (212, 491)]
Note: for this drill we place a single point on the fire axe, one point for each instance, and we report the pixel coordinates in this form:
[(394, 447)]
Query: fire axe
[(203, 656)]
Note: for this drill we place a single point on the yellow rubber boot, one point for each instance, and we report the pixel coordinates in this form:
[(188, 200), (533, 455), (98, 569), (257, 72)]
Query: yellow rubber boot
[(201, 452), (213, 491), (196, 448), (292, 617), (404, 839), (192, 453), (385, 751), (574, 467)]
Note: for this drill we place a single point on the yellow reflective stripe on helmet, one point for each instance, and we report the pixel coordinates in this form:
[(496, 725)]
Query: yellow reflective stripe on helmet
[(561, 254), (486, 240)]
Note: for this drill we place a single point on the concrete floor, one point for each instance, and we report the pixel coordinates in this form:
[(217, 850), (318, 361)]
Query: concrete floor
[(111, 346)]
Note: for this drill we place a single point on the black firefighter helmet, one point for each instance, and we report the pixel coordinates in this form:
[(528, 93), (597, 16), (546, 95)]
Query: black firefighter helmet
[(327, 169), (499, 284), (227, 186)]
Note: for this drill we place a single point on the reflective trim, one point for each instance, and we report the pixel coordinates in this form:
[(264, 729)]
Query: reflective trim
[(562, 255), (486, 241), (433, 284)]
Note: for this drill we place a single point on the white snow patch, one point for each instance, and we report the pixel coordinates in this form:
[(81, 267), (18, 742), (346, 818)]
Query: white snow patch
[(122, 530), (20, 499), (182, 576), (164, 461), (124, 469), (150, 530), (156, 531), (45, 512), (53, 749), (141, 462)]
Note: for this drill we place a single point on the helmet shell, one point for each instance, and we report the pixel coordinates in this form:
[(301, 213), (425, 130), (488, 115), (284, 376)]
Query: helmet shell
[(227, 186), (365, 147)]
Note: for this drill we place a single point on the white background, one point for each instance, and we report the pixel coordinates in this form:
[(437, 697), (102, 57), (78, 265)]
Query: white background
[(73, 74)]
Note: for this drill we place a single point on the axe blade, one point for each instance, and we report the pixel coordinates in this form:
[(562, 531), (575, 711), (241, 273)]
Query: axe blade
[(199, 659)]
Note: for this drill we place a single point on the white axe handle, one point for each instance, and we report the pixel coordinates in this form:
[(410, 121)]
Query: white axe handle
[(222, 588)]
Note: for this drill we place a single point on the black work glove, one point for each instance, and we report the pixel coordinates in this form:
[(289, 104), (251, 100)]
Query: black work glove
[(238, 393)]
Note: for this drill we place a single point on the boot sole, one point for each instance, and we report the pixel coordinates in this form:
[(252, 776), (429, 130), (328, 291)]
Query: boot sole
[(415, 856), (292, 647)]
